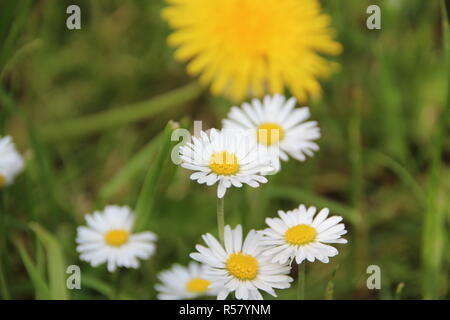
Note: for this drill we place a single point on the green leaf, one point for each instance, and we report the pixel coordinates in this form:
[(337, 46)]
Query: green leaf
[(97, 285), (120, 116), (148, 193), (132, 169), (55, 262), (101, 287), (40, 285), (135, 166)]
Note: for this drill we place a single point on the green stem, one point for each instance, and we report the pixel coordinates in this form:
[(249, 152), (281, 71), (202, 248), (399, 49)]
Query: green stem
[(3, 285), (117, 284), (220, 217), (301, 279), (360, 235), (398, 291)]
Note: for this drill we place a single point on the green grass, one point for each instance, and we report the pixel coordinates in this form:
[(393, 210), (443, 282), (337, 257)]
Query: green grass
[(434, 232), (89, 109)]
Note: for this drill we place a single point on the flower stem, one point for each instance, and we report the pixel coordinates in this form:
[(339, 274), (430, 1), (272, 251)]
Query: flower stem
[(357, 190), (220, 217), (301, 279), (4, 289), (117, 284)]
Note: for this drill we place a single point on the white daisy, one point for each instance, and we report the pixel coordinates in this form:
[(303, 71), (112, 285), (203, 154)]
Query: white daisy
[(277, 126), (240, 267), (300, 235), (11, 162), (180, 283), (224, 157), (108, 238)]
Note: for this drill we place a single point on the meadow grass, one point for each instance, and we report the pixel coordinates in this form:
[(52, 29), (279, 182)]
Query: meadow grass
[(91, 111)]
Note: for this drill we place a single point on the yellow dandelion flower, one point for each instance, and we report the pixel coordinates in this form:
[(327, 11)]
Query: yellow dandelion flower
[(251, 47)]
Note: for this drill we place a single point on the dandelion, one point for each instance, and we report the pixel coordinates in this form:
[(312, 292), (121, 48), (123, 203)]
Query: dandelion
[(11, 162), (251, 47), (226, 158), (298, 235), (277, 126), (180, 283), (239, 266), (108, 238)]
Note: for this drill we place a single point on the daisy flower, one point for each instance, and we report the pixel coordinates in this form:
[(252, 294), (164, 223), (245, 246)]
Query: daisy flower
[(251, 47), (11, 162), (298, 234), (108, 238), (180, 283), (226, 158), (277, 126), (240, 266)]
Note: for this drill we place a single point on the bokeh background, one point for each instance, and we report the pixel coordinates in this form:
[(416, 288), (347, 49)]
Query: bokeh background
[(88, 108)]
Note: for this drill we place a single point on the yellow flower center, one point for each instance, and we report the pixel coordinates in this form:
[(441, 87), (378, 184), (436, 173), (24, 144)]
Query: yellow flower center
[(2, 181), (224, 163), (250, 26), (197, 285), (300, 234), (269, 133), (116, 237), (242, 266)]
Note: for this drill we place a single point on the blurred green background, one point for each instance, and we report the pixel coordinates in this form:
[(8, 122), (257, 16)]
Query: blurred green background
[(88, 108)]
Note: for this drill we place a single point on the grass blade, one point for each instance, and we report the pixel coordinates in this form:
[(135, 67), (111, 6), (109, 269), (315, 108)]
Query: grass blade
[(3, 285), (434, 236), (55, 262), (401, 172), (399, 290), (133, 168), (41, 164), (148, 192), (40, 285), (101, 287), (120, 116), (22, 10), (97, 285), (329, 290)]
